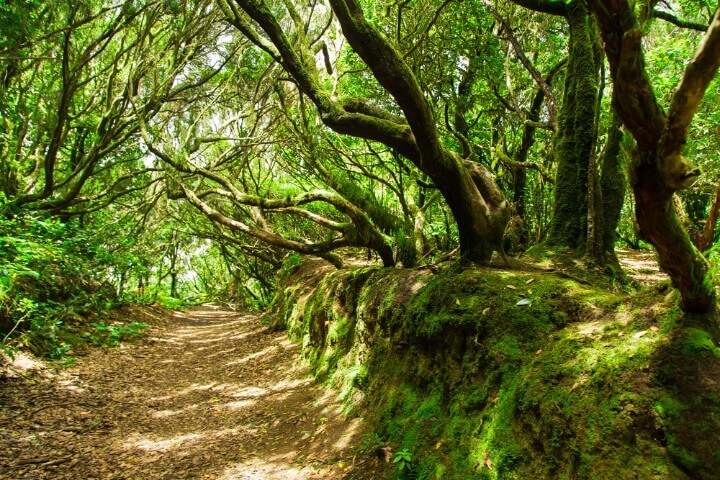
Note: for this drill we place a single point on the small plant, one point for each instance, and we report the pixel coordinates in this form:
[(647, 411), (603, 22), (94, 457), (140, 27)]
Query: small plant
[(111, 335), (406, 468), (403, 461)]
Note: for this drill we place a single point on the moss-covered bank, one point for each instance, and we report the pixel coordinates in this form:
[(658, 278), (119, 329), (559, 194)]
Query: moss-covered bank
[(580, 383)]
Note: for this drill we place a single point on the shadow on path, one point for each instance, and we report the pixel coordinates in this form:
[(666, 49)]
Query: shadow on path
[(209, 394)]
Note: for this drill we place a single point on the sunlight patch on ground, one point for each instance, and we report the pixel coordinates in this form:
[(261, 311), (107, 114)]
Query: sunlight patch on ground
[(417, 286), (258, 469), (288, 384), (240, 404), (164, 340), (71, 386), (285, 342), (589, 328), (220, 353), (344, 441), (162, 445), (199, 330), (173, 443), (641, 265), (192, 388), (226, 337), (250, 392), (252, 356), (23, 363)]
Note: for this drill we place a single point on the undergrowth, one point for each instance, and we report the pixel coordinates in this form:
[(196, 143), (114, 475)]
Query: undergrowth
[(51, 280)]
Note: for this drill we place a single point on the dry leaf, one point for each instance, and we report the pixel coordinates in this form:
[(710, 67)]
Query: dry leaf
[(538, 352), (512, 287), (654, 328), (529, 281), (640, 334), (485, 310)]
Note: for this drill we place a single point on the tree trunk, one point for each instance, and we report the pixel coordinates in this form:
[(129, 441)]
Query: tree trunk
[(659, 225), (660, 169), (708, 234), (612, 185), (575, 138)]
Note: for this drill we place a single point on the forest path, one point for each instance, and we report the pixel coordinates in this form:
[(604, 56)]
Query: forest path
[(206, 394), (641, 266)]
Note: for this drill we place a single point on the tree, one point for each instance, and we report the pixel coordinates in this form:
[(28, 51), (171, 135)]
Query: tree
[(80, 80), (660, 169), (479, 207), (582, 220)]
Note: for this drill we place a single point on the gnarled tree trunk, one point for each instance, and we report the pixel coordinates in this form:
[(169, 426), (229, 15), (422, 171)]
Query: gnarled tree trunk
[(659, 168), (479, 217)]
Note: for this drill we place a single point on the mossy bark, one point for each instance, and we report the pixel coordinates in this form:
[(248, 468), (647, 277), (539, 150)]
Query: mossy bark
[(576, 133), (613, 185), (660, 225), (659, 170)]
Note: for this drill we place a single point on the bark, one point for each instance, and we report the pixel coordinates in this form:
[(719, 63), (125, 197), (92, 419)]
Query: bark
[(478, 216), (596, 246), (660, 170), (659, 225), (708, 234), (575, 139), (612, 185)]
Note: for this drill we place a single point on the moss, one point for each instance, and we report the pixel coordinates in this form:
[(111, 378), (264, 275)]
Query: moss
[(576, 133), (577, 385), (697, 343)]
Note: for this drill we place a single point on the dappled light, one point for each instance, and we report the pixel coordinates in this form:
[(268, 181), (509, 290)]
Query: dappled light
[(162, 445), (172, 403), (359, 239)]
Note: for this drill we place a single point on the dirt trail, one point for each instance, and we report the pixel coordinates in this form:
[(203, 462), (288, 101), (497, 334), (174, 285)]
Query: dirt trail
[(641, 266), (206, 394)]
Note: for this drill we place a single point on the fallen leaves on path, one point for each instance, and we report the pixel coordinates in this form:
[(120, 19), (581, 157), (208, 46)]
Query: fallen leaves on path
[(208, 394)]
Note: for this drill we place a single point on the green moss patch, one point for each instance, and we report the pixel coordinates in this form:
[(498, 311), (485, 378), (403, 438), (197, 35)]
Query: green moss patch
[(490, 374)]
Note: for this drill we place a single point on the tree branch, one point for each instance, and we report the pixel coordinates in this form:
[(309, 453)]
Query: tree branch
[(698, 75), (551, 7), (552, 108), (669, 17)]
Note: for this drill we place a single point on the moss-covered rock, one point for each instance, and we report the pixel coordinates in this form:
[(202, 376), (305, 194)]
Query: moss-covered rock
[(493, 374)]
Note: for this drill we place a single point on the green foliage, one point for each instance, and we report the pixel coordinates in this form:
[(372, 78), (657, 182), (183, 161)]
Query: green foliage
[(290, 264), (713, 256), (405, 246), (403, 460), (406, 467), (50, 278), (112, 335)]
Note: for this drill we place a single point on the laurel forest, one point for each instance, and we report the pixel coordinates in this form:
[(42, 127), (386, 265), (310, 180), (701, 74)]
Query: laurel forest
[(490, 226)]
